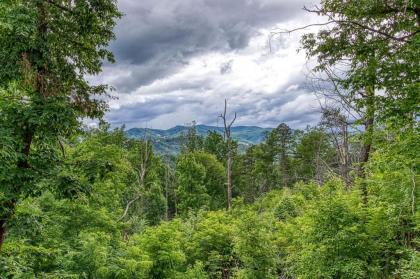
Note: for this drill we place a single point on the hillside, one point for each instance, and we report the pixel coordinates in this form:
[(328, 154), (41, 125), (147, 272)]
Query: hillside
[(169, 141)]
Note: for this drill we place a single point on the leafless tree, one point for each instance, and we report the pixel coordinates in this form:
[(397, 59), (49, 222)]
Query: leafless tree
[(141, 168), (338, 127), (228, 140)]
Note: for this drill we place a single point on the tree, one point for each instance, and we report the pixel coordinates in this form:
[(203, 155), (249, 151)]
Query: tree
[(338, 127), (72, 226), (212, 242), (200, 180), (256, 245), (46, 48), (214, 144), (329, 240), (370, 46), (393, 211), (229, 153), (255, 172), (147, 198), (281, 142), (191, 191), (163, 247), (214, 179), (193, 141), (377, 41), (314, 156)]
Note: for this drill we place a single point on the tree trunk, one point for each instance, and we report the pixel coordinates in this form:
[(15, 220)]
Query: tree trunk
[(2, 232), (319, 173), (284, 161), (23, 165), (228, 139), (345, 157), (367, 139), (29, 132), (229, 178), (167, 192), (9, 208)]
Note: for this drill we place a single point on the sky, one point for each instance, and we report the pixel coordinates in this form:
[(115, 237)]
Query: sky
[(177, 60)]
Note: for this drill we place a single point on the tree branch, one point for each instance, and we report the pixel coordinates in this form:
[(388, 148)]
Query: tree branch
[(350, 22), (61, 7), (128, 207)]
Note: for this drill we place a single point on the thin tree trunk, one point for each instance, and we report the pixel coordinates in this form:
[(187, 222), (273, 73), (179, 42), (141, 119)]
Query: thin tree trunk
[(166, 193), (345, 165), (285, 166), (228, 139), (2, 232), (367, 140), (229, 178), (319, 173)]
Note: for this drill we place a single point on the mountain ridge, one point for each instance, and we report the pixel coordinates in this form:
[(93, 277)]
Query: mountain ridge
[(171, 139)]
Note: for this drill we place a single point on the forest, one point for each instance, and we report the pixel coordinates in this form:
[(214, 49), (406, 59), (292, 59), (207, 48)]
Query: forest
[(335, 200)]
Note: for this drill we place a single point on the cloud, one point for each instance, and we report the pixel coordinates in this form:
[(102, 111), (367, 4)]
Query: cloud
[(258, 87), (179, 59), (178, 29)]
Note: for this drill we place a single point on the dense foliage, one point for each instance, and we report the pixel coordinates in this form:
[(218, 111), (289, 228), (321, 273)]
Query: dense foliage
[(339, 200)]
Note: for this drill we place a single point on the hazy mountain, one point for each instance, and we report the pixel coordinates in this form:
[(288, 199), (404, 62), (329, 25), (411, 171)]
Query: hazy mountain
[(170, 140)]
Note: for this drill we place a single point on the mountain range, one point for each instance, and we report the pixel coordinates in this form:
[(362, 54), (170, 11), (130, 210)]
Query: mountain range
[(169, 141)]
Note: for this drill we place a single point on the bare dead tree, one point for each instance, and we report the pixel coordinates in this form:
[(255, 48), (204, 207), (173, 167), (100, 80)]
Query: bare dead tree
[(228, 140), (141, 169), (350, 102), (319, 166), (341, 109), (144, 159), (338, 126)]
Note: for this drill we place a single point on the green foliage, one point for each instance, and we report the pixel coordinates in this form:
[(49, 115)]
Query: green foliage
[(378, 43), (410, 268), (195, 272), (46, 50), (155, 204), (329, 240), (214, 144), (393, 208), (257, 245), (313, 153), (193, 141), (211, 242), (163, 247), (150, 180), (95, 204), (200, 179), (191, 192)]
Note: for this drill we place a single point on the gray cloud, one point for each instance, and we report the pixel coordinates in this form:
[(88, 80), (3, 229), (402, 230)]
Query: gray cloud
[(141, 113), (291, 104), (180, 28), (158, 39), (226, 67)]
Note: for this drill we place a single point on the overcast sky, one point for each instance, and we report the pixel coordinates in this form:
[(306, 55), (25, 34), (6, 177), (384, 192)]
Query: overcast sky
[(177, 60)]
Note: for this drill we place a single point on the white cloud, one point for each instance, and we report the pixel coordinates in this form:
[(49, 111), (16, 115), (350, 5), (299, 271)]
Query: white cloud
[(264, 87)]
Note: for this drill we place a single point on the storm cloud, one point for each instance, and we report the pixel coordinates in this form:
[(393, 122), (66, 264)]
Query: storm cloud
[(177, 60)]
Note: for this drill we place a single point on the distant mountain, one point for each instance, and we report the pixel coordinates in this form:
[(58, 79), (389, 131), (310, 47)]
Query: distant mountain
[(169, 141)]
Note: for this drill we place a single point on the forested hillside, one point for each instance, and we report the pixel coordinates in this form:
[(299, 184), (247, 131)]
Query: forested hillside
[(170, 141), (335, 200)]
